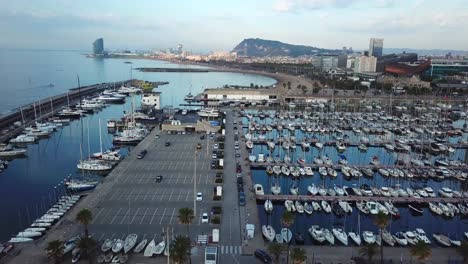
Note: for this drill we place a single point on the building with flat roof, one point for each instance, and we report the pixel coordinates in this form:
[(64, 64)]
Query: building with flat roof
[(440, 68), (365, 64), (217, 95), (98, 46), (376, 47)]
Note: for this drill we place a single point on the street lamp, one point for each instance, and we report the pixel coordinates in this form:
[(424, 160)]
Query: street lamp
[(195, 184)]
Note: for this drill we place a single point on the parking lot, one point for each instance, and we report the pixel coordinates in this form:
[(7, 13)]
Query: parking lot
[(136, 202)]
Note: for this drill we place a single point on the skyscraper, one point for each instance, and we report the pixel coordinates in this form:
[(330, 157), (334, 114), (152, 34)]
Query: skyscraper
[(98, 46), (376, 47)]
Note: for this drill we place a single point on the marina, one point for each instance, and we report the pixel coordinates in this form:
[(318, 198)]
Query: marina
[(332, 169)]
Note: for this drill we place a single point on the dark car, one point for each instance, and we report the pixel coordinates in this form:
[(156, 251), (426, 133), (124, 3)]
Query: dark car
[(238, 169), (237, 154), (240, 187), (167, 144), (263, 256), (158, 178), (142, 154), (242, 198), (202, 137), (240, 180)]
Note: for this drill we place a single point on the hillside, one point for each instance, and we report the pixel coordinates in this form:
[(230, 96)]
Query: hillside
[(261, 47)]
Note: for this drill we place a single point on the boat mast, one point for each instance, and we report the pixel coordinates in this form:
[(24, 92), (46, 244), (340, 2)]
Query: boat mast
[(100, 138), (89, 149)]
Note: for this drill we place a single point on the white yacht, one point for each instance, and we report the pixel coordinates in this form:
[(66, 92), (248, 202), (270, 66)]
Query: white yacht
[(208, 112), (421, 236), (268, 232), (356, 237), (93, 165), (268, 206), (368, 237), (340, 235), (258, 189), (317, 233)]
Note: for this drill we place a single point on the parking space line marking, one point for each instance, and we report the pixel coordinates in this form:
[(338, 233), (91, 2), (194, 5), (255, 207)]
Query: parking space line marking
[(162, 195), (178, 197), (144, 215), (186, 197), (97, 215), (113, 234), (102, 235), (170, 197), (144, 198), (152, 199), (138, 209), (112, 221), (153, 215), (164, 213), (172, 216), (137, 196), (125, 215)]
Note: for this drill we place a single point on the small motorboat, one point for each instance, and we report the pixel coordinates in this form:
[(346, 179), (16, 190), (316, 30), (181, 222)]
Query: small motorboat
[(355, 237), (268, 232), (441, 239), (340, 235), (107, 245), (286, 234), (158, 250), (400, 238), (268, 206), (317, 233), (117, 245), (140, 246), (130, 242), (150, 249), (369, 237)]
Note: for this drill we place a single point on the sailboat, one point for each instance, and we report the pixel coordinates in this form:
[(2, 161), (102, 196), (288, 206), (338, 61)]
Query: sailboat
[(91, 164), (109, 155)]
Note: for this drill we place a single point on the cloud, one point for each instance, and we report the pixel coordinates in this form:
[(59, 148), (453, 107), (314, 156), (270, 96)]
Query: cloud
[(284, 6)]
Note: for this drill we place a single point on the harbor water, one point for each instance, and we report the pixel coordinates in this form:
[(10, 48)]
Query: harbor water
[(30, 185)]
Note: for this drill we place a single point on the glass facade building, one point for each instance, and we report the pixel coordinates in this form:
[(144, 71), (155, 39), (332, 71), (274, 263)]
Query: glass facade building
[(376, 47), (98, 46)]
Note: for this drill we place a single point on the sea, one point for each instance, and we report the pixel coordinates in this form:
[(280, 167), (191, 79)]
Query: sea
[(31, 185)]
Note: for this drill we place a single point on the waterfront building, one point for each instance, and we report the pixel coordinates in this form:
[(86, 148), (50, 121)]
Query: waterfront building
[(376, 47), (213, 97), (98, 46), (365, 64)]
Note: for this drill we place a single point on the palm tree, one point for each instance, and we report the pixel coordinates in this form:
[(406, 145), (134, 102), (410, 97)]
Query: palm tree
[(186, 217), (287, 219), (463, 251), (55, 250), (85, 217), (368, 251), (275, 249), (421, 251), (87, 246), (179, 249), (298, 255), (381, 221)]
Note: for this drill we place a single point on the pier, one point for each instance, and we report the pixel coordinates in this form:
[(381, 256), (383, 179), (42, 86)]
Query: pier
[(354, 198), (47, 107), (338, 167)]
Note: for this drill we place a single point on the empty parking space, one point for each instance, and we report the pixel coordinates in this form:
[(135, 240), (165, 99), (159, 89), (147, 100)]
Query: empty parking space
[(138, 203)]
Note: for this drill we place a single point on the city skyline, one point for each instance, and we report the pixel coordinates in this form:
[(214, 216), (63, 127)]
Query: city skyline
[(63, 24)]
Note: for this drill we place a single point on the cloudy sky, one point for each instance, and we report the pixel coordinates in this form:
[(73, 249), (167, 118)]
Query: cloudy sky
[(206, 25)]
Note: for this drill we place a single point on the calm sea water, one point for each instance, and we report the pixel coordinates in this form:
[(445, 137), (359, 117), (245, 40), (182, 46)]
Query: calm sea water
[(30, 185), (355, 221), (24, 76)]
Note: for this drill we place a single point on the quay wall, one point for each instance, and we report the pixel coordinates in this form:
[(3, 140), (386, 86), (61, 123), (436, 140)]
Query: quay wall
[(47, 107)]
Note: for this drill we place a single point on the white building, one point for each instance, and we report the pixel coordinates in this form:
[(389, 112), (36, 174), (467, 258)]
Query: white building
[(365, 64), (152, 100), (214, 96)]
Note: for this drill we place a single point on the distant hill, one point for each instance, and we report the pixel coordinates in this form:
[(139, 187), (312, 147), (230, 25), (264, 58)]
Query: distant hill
[(255, 47), (427, 52)]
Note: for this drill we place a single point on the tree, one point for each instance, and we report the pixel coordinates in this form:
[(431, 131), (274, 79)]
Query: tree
[(251, 85), (85, 217), (287, 219), (275, 249), (87, 246), (463, 251), (368, 251), (298, 255), (284, 85), (179, 249), (289, 85), (55, 250), (186, 217), (421, 251), (381, 221)]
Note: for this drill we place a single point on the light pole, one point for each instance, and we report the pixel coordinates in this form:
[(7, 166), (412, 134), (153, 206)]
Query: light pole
[(195, 184)]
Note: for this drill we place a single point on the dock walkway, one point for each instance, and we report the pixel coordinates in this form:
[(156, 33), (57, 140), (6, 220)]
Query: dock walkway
[(354, 198)]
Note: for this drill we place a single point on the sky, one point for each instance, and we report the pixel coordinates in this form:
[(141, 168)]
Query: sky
[(219, 25)]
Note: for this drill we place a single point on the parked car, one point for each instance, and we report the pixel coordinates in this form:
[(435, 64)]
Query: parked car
[(263, 256), (202, 137), (159, 178), (237, 154), (204, 218), (157, 136), (199, 146), (167, 144), (142, 154), (199, 196), (242, 199), (216, 146)]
